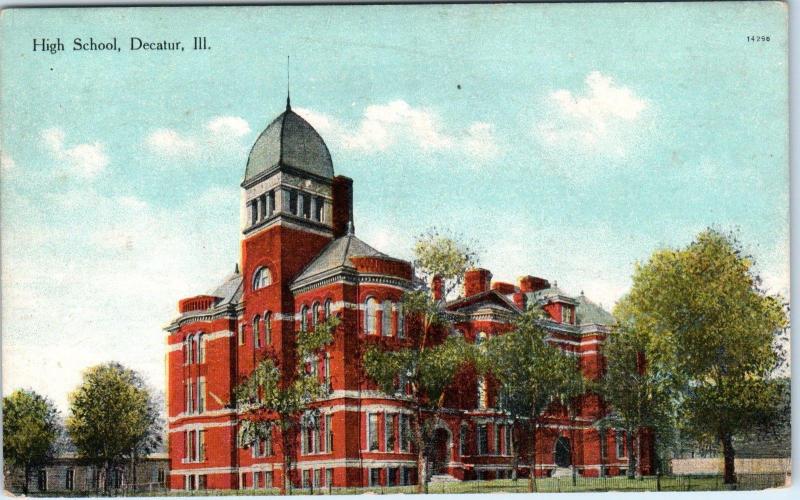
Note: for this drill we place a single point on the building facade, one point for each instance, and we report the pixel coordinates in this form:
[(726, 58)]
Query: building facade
[(300, 262)]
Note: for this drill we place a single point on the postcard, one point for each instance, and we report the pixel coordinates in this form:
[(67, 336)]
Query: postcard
[(435, 248)]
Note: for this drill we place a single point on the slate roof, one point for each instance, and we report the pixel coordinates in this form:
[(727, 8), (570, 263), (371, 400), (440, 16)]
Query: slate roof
[(547, 293), (289, 141), (587, 312), (337, 256), (229, 291)]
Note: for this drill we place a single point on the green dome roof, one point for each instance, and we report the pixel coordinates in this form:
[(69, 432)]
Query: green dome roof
[(289, 141)]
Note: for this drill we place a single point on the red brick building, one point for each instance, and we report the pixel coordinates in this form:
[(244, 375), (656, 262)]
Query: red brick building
[(301, 261)]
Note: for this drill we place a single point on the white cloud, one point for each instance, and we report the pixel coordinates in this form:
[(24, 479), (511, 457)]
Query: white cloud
[(110, 281), (219, 132), (6, 162), (82, 160), (384, 126), (602, 120)]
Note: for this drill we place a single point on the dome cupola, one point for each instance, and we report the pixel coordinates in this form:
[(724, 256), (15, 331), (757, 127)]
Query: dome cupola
[(291, 143)]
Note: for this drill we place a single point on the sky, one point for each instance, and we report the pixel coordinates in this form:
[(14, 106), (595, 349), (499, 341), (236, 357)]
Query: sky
[(565, 141)]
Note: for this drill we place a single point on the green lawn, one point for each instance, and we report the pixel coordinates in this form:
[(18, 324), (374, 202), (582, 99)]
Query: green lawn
[(544, 485)]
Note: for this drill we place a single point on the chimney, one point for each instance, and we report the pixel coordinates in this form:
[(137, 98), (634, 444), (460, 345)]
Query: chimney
[(342, 205), (529, 284), (476, 281), (504, 288), (520, 299), (437, 286)]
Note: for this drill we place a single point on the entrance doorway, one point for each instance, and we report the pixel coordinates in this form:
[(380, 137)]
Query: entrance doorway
[(562, 452), (441, 451)]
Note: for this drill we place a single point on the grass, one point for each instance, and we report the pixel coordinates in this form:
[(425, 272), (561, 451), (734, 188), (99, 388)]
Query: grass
[(544, 485)]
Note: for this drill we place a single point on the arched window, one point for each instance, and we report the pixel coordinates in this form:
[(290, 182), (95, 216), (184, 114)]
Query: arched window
[(261, 278), (304, 318), (401, 322), (315, 309), (386, 321), (267, 328), (370, 311), (328, 306), (256, 332), (201, 348), (190, 349), (480, 339)]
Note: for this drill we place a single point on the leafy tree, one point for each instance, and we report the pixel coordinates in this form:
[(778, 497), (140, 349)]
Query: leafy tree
[(424, 371), (113, 417), (641, 393), (533, 375), (30, 430), (704, 306), (272, 399), (440, 253), (419, 374)]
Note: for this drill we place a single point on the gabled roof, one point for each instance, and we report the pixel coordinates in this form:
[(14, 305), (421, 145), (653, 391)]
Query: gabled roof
[(336, 256), (489, 298)]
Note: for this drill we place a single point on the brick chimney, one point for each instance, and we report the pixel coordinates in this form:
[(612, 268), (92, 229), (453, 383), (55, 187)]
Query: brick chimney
[(529, 284), (476, 281), (503, 287), (437, 287), (342, 204), (520, 300)]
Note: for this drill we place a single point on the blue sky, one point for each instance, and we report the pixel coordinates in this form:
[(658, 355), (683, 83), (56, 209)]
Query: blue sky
[(568, 141)]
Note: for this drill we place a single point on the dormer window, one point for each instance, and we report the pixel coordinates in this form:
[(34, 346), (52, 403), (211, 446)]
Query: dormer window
[(261, 278), (566, 314)]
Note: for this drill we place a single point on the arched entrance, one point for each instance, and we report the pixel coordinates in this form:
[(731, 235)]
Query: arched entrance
[(562, 454), (441, 451)]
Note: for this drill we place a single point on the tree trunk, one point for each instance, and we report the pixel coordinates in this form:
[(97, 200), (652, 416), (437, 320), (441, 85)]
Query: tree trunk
[(638, 458), (26, 479), (422, 473), (730, 454), (532, 462), (133, 471), (631, 472)]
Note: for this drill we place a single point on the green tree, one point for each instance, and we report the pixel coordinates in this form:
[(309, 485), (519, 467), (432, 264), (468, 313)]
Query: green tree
[(704, 306), (439, 253), (274, 400), (112, 417), (534, 376), (420, 374), (30, 430), (641, 393)]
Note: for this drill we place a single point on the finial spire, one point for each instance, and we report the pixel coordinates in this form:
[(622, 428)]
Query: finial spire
[(350, 229), (236, 270), (288, 86)]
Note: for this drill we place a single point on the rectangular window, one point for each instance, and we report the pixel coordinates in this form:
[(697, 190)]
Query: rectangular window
[(268, 328), (329, 433), (496, 440), (318, 212), (462, 441), (256, 480), (243, 480), (317, 474), (201, 394), (201, 445), (305, 478), (201, 349), (189, 397), (566, 313), (389, 432), (268, 479), (293, 202), (329, 477), (306, 205), (483, 440), (241, 334), (508, 435), (253, 212), (407, 471), (201, 482), (70, 480), (372, 432), (401, 327), (270, 203), (620, 438), (161, 476), (374, 477), (327, 367), (405, 433)]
